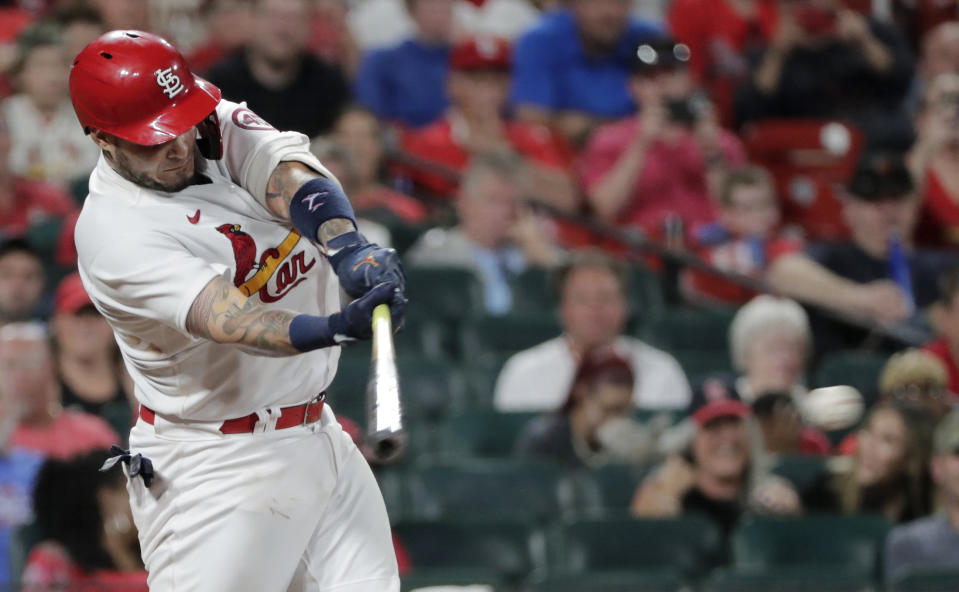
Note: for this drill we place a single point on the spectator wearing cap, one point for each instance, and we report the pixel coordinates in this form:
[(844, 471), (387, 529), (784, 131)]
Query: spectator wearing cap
[(711, 478), (405, 83), (828, 61), (931, 542), (278, 77), (745, 238), (934, 161), (21, 281), (87, 358), (571, 69), (28, 372), (497, 237), (877, 274), (593, 306), (478, 85), (45, 142), (594, 426), (666, 162)]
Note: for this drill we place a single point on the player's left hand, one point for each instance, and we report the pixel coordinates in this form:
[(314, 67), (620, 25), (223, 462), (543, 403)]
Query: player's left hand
[(360, 264)]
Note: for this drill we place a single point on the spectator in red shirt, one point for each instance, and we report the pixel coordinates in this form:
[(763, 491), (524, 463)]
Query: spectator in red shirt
[(934, 162), (745, 239), (90, 542), (27, 370), (946, 321), (478, 87), (720, 34), (667, 161)]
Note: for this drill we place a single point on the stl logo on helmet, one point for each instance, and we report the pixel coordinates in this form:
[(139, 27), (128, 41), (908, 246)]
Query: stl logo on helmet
[(169, 82)]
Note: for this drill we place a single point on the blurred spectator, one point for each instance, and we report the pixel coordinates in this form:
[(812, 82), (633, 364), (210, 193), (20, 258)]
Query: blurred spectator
[(875, 276), (744, 239), (593, 290), (87, 358), (361, 140), (946, 347), (277, 76), (502, 18), (939, 54), (595, 425), (229, 25), (916, 379), (721, 34), (890, 472), (330, 38), (124, 14), (933, 541), (27, 369), (571, 68), (497, 237), (90, 542), (474, 124), (79, 24), (712, 480), (781, 426), (405, 83), (828, 61), (21, 281), (26, 202), (46, 141), (667, 161), (934, 159), (18, 470)]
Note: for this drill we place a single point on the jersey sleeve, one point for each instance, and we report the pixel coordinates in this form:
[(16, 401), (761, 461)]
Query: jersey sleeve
[(152, 277), (252, 148)]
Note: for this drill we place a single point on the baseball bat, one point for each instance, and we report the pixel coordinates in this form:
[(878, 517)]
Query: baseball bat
[(385, 433)]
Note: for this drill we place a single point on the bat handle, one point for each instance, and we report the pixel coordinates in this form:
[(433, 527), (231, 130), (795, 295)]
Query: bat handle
[(381, 314)]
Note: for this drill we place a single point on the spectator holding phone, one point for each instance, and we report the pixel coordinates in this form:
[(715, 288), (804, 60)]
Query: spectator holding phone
[(666, 161), (830, 62)]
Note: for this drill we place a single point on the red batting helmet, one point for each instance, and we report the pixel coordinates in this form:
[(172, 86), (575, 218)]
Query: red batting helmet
[(136, 86)]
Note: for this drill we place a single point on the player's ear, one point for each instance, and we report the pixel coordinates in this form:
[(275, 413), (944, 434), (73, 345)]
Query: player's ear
[(104, 140)]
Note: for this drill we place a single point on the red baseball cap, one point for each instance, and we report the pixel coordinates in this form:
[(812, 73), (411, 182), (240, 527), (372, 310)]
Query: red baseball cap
[(720, 408), (71, 295), (481, 53)]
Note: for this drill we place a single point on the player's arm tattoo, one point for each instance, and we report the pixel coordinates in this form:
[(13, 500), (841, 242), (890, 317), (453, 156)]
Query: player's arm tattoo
[(286, 179), (223, 314)]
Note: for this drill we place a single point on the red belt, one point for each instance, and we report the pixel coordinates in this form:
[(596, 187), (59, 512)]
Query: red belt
[(289, 417)]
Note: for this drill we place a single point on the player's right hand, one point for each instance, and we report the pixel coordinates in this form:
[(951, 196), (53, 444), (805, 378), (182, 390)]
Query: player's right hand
[(355, 321)]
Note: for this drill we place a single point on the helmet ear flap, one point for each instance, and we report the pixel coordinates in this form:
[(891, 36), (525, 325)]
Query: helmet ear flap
[(209, 140)]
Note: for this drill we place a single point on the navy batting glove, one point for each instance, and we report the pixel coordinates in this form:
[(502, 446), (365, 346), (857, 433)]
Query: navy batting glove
[(356, 320), (361, 265)]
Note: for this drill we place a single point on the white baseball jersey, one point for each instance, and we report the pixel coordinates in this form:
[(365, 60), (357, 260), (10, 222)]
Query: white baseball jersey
[(145, 255)]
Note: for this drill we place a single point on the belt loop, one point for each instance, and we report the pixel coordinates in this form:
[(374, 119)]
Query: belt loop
[(266, 420)]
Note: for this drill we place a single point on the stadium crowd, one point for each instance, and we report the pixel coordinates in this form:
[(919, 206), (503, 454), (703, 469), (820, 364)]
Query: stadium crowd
[(683, 277)]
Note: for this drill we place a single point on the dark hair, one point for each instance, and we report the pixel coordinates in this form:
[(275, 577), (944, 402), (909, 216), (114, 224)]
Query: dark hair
[(40, 34), (77, 12), (68, 510), (596, 368), (18, 245), (592, 258), (749, 176)]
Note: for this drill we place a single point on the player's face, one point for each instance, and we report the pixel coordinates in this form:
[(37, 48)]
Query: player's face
[(167, 167)]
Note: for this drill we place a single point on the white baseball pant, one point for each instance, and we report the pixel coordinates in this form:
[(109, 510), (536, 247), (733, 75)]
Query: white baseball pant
[(291, 510)]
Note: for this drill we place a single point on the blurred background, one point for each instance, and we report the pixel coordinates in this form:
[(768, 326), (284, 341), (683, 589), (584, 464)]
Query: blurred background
[(683, 281)]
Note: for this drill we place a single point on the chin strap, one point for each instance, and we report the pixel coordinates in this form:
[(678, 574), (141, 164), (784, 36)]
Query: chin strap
[(209, 140)]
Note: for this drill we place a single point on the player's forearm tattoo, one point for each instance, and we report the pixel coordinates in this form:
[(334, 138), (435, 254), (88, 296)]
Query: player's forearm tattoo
[(286, 180), (223, 314)]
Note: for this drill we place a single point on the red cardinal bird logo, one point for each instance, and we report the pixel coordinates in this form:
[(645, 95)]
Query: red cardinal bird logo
[(272, 261)]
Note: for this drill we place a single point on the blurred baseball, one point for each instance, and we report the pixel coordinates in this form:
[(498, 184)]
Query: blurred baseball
[(833, 407)]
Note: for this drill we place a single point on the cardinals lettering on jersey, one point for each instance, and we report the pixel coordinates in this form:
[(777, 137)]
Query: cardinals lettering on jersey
[(274, 261)]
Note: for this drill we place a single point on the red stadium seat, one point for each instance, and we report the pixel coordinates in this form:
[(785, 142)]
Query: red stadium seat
[(807, 158)]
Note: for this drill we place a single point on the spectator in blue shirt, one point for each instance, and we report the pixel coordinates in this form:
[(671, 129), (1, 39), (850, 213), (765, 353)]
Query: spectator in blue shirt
[(571, 69), (406, 83)]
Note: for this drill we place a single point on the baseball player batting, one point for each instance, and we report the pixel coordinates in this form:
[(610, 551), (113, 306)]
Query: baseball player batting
[(216, 246)]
